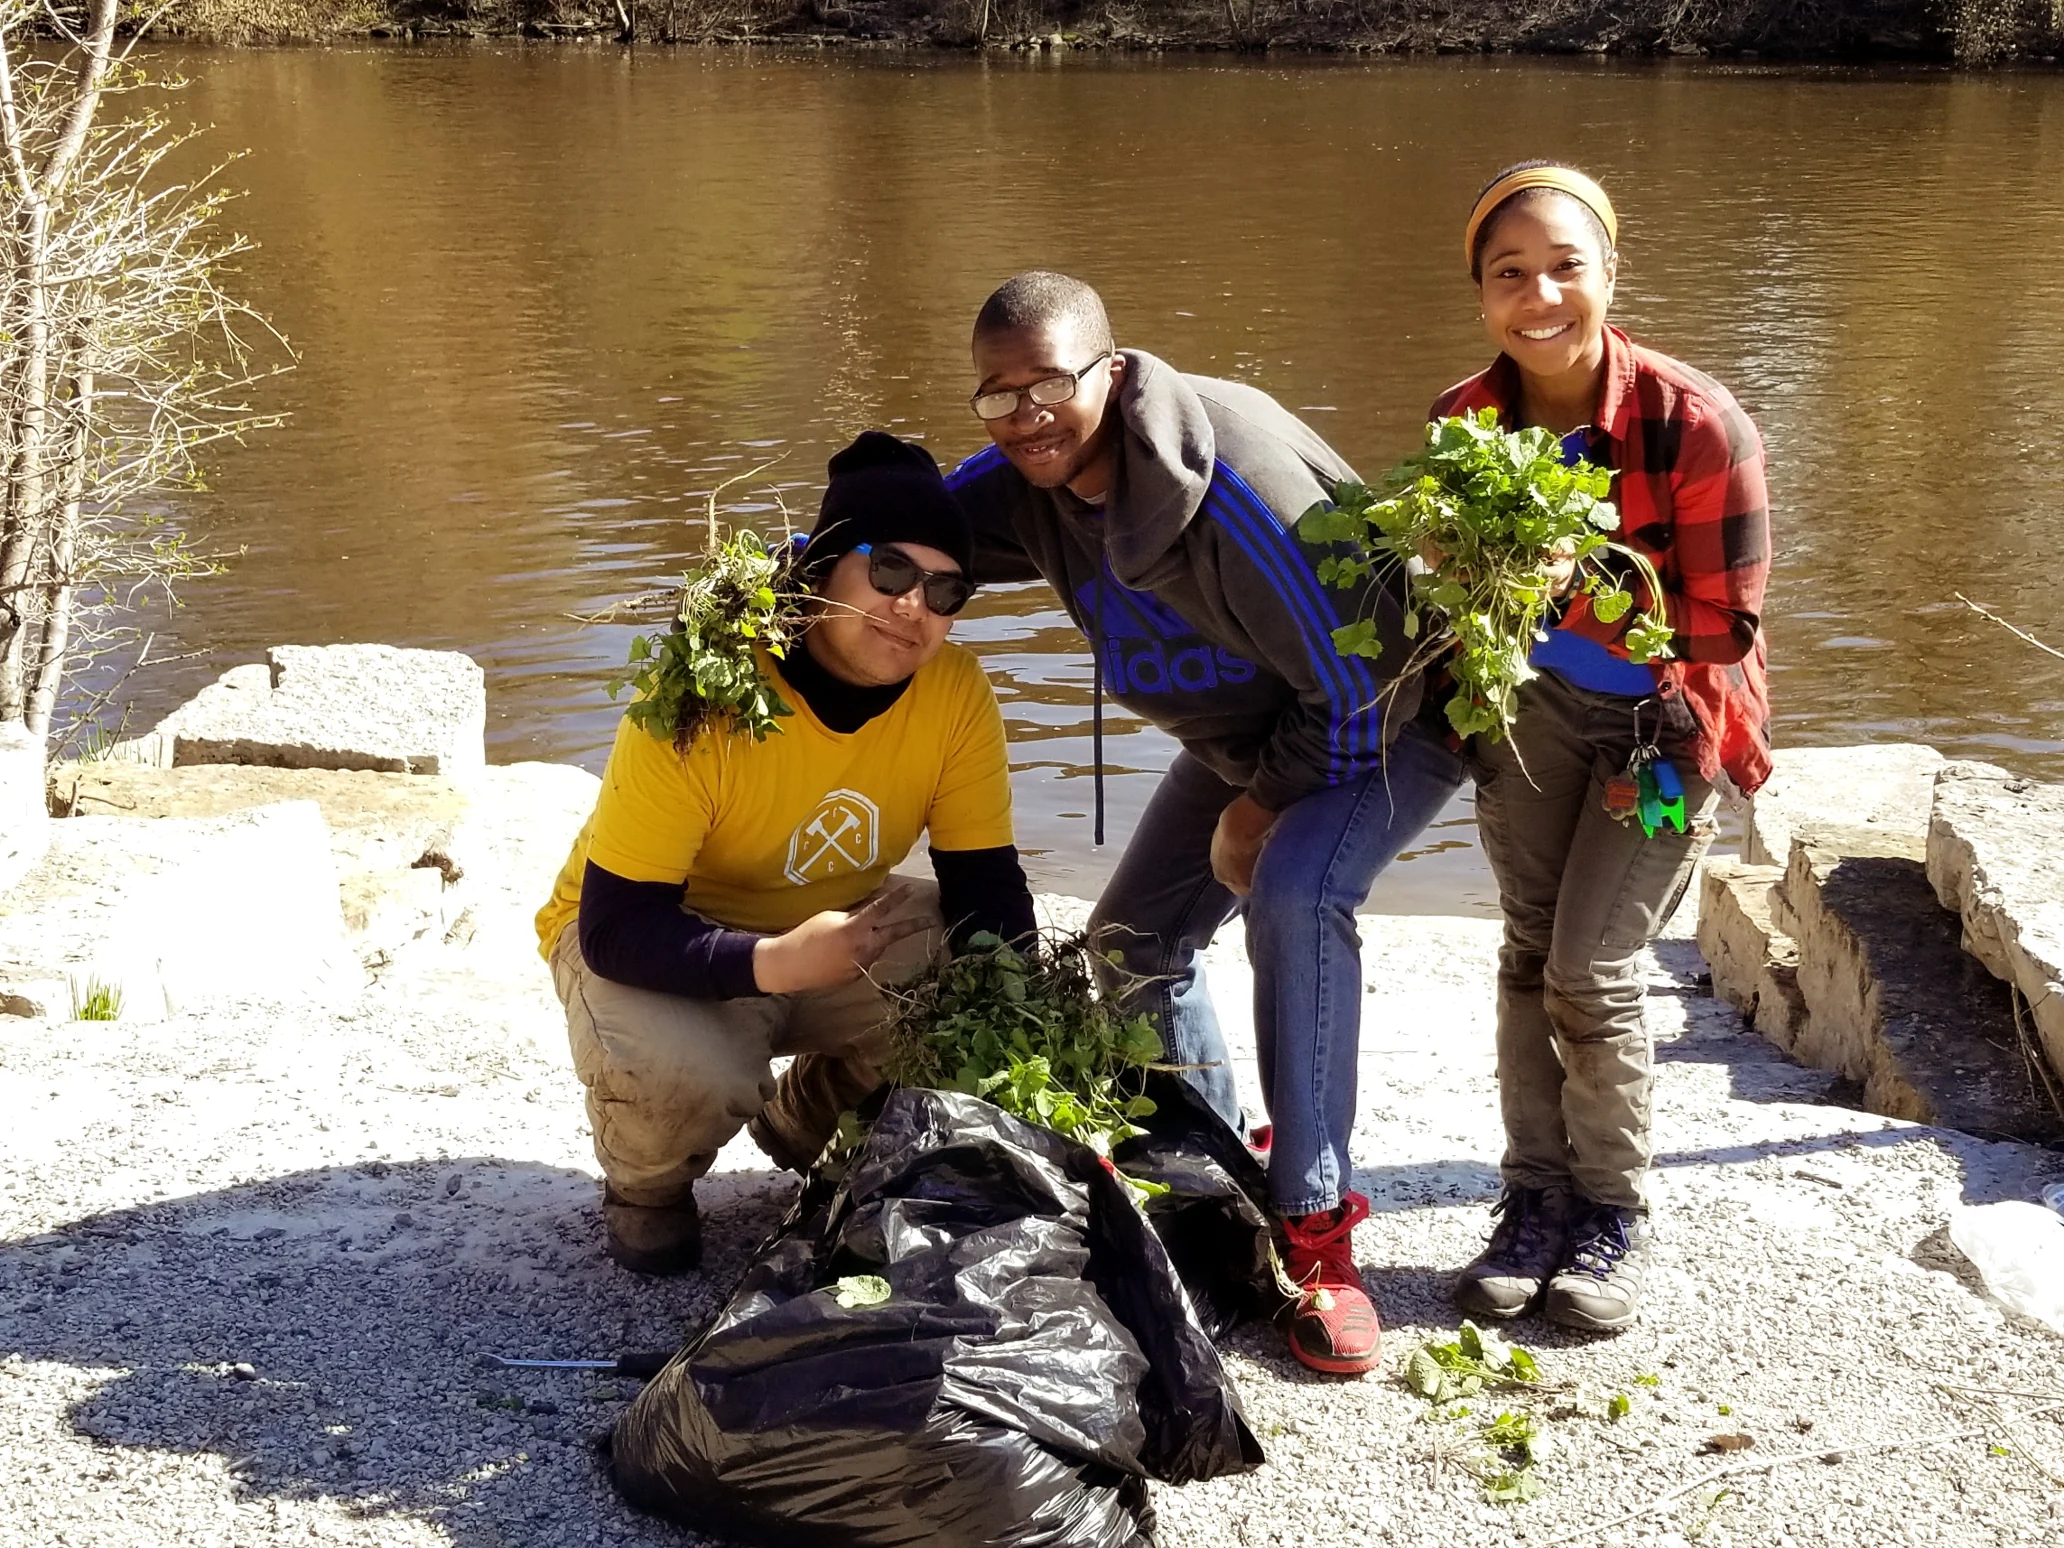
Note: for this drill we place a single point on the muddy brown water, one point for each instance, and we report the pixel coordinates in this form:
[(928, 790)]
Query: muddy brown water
[(546, 298)]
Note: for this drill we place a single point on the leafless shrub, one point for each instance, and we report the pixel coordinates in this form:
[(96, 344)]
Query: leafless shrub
[(120, 359)]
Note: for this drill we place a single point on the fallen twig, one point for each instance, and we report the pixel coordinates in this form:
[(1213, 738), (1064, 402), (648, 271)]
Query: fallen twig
[(2038, 1065), (1765, 1464), (1986, 612), (2008, 1423)]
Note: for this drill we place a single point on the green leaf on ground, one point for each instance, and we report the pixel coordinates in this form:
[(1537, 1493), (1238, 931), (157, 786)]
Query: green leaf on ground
[(861, 1290)]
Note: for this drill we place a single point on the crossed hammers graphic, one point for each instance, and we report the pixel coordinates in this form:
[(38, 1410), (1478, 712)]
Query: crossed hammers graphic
[(816, 829)]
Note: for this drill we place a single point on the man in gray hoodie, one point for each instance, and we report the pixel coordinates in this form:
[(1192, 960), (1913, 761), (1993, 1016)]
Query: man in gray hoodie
[(1163, 510)]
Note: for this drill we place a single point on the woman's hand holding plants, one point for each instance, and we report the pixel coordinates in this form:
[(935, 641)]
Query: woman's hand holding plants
[(1506, 528)]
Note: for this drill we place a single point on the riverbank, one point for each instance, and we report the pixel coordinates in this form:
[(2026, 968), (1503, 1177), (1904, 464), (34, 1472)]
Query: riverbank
[(1967, 32), (257, 1233)]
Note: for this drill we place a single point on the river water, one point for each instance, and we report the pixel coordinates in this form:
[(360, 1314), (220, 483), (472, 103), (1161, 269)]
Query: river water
[(546, 298)]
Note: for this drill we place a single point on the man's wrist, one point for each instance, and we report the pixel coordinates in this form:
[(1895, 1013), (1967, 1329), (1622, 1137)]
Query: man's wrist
[(766, 963)]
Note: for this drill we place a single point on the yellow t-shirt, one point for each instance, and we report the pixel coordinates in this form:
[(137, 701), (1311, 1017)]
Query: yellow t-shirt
[(762, 835)]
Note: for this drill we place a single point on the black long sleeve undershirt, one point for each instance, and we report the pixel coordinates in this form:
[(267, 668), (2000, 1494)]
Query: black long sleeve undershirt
[(637, 933), (983, 889)]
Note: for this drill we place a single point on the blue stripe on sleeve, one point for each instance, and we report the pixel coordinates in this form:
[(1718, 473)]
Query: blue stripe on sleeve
[(1239, 524), (974, 467), (1361, 727)]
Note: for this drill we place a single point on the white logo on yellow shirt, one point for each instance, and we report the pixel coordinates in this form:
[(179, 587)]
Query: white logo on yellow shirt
[(841, 836)]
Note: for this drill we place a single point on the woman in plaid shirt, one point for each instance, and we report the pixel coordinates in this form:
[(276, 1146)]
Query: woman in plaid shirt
[(1583, 888)]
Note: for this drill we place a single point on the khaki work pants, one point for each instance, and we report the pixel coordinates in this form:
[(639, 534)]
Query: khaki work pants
[(1582, 894), (671, 1080)]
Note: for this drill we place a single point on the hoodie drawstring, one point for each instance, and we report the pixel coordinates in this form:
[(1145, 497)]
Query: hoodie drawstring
[(1096, 670)]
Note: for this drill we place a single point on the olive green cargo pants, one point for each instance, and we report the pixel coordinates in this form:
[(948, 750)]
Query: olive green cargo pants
[(1582, 894)]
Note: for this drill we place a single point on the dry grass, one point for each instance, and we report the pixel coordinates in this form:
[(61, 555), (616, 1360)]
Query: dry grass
[(1975, 32)]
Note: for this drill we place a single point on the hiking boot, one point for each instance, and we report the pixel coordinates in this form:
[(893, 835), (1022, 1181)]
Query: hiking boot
[(1525, 1249), (1598, 1287), (1333, 1325), (646, 1239), (784, 1154)]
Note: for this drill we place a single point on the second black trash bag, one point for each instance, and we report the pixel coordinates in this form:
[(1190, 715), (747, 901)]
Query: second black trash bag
[(994, 1397)]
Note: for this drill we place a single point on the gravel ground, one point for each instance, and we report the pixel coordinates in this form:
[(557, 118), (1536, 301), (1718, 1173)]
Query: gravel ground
[(249, 1261)]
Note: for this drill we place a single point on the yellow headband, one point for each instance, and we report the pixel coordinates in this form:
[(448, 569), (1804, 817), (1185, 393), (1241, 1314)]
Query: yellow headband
[(1563, 180)]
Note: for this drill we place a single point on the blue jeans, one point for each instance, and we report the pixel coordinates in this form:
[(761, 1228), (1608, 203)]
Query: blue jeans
[(1163, 906)]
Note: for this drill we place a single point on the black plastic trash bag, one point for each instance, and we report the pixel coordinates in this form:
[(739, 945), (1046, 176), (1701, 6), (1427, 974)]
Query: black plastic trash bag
[(1212, 1219), (1036, 1359)]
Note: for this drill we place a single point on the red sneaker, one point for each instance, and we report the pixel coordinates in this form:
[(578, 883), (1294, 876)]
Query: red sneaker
[(1334, 1327), (1260, 1139)]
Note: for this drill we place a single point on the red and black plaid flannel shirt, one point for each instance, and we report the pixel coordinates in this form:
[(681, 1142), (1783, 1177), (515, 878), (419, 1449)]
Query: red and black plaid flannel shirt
[(1689, 484)]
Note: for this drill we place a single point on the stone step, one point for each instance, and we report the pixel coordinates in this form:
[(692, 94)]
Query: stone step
[(1885, 786), (1893, 1001), (1996, 859), (1755, 965), (179, 914)]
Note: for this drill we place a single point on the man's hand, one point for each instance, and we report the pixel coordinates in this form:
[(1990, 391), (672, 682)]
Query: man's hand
[(834, 948), (1559, 564), (1236, 842)]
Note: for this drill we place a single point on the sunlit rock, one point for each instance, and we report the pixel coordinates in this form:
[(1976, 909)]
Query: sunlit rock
[(1996, 859), (1886, 787), (1893, 1001), (337, 707), (1755, 965), (171, 914)]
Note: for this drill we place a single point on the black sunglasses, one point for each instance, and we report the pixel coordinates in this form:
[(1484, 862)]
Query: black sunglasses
[(893, 573)]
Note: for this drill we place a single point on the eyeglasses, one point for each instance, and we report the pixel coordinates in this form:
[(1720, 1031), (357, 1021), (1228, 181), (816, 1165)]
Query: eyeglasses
[(893, 573), (1054, 389)]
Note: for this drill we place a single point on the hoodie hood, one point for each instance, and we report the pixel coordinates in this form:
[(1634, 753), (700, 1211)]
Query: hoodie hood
[(1174, 432), (1166, 450)]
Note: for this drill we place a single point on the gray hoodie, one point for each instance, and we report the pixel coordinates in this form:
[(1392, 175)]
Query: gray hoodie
[(1201, 602)]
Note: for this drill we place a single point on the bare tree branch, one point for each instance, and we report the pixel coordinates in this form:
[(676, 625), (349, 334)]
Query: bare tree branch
[(1986, 612)]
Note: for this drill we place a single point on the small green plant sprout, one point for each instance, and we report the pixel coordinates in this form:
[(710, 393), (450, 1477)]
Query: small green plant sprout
[(1471, 1362), (1033, 1032), (1648, 1379), (1709, 1500), (1511, 1445), (1619, 1407), (1483, 512), (1725, 1408), (1511, 1485), (96, 1000), (1997, 1450)]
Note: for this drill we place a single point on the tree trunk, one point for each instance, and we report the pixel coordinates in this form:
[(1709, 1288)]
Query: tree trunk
[(55, 637), (26, 518)]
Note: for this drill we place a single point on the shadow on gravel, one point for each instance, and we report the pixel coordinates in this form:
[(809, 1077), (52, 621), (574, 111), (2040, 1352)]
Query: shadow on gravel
[(1422, 1184), (323, 1333)]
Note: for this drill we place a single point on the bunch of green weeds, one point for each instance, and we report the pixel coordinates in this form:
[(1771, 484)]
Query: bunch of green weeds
[(705, 670), (1484, 509), (1033, 1032)]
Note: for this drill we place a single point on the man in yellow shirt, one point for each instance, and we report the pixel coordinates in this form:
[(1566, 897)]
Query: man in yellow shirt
[(732, 904)]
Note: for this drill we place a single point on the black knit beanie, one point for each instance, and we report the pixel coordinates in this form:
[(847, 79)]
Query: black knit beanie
[(884, 490)]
